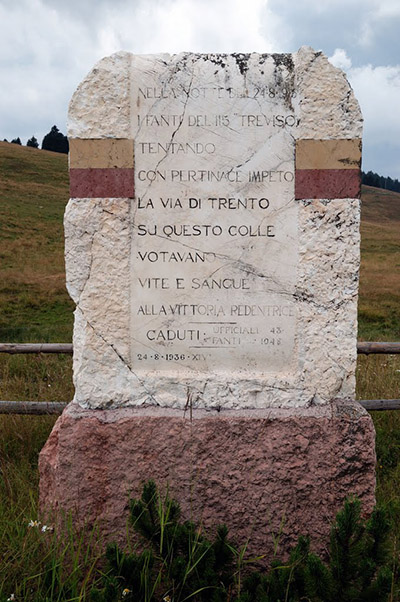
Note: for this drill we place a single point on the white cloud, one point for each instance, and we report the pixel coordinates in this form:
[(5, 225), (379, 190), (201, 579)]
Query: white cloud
[(47, 46), (373, 15), (207, 26), (378, 91), (369, 8), (340, 59), (41, 56), (387, 8)]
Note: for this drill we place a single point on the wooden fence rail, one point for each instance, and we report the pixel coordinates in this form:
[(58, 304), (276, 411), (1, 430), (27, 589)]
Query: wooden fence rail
[(380, 404), (13, 348), (37, 408), (56, 407), (365, 348)]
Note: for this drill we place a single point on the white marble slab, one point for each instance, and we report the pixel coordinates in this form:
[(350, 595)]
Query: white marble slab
[(213, 287)]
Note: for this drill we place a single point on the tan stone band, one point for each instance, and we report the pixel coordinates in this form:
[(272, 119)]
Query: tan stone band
[(328, 154), (103, 153)]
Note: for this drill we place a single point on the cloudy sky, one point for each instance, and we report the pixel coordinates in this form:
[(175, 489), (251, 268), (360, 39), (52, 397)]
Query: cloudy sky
[(48, 46)]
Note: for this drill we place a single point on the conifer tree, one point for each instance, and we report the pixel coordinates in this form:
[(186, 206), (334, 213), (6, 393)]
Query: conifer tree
[(32, 142), (179, 563), (55, 141)]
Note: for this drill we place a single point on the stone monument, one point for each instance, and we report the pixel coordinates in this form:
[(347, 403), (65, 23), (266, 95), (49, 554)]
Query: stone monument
[(212, 251)]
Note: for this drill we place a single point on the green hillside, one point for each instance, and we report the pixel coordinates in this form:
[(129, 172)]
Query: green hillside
[(379, 302), (34, 305)]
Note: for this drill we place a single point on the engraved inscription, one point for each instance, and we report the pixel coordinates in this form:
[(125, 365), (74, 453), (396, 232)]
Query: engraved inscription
[(214, 222)]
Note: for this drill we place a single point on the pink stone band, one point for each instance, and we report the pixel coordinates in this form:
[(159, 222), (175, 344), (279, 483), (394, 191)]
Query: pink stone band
[(327, 184), (102, 183)]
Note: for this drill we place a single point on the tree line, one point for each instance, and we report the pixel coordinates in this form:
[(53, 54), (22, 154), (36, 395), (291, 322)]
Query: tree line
[(53, 141), (373, 179)]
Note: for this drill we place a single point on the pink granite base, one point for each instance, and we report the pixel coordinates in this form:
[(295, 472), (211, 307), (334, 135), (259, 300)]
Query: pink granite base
[(253, 470)]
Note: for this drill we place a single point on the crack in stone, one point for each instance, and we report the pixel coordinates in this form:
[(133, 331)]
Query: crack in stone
[(89, 269), (170, 77), (120, 357), (181, 119), (89, 251), (121, 219), (72, 253), (255, 152), (302, 296), (247, 267)]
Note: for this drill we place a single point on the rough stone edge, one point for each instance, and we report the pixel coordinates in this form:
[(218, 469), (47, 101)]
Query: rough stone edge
[(110, 119), (313, 71), (347, 409), (107, 78)]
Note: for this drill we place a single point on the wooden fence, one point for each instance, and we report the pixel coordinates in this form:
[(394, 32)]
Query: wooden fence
[(56, 407), (365, 348)]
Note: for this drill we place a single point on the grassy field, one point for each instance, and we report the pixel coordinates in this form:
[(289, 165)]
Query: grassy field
[(379, 304), (34, 306)]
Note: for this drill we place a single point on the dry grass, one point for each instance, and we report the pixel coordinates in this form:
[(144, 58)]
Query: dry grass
[(36, 378), (378, 377), (379, 302), (34, 305)]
